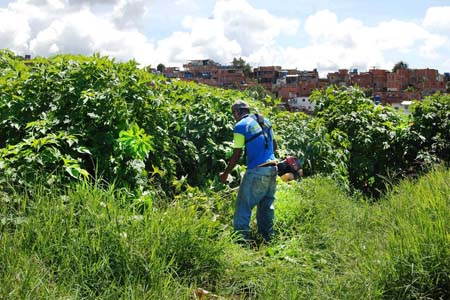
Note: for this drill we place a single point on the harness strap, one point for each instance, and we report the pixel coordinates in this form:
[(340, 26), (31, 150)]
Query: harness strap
[(254, 137), (260, 121)]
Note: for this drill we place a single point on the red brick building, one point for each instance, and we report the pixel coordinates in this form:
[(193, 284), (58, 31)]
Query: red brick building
[(211, 73), (312, 76), (429, 81), (341, 77), (172, 72), (397, 96), (379, 80), (397, 81), (267, 76), (389, 87), (363, 80), (286, 92)]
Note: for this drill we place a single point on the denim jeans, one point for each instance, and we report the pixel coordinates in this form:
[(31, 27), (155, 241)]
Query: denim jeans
[(257, 189)]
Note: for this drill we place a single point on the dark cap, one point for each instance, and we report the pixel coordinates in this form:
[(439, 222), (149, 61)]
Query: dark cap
[(239, 104)]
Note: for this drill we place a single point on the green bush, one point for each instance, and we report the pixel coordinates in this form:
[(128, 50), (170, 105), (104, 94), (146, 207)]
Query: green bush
[(100, 101), (375, 139), (431, 120), (98, 118)]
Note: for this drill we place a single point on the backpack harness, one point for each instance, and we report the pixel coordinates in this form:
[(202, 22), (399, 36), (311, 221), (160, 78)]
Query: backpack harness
[(260, 120)]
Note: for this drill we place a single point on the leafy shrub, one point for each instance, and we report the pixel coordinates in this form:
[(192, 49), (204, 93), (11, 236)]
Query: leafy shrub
[(42, 153), (309, 140), (375, 138), (431, 120), (100, 102), (119, 122)]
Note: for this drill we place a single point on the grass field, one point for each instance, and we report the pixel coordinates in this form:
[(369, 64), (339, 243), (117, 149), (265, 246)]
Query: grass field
[(89, 242)]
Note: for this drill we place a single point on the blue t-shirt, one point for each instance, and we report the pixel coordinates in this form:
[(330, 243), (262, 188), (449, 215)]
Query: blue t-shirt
[(257, 153)]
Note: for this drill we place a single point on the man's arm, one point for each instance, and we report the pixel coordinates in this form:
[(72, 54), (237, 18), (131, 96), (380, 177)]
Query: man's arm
[(231, 164)]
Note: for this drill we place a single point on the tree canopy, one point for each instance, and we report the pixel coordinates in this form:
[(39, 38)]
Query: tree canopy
[(400, 65), (161, 68), (242, 64)]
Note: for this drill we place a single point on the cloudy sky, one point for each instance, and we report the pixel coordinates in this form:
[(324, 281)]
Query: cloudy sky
[(302, 34)]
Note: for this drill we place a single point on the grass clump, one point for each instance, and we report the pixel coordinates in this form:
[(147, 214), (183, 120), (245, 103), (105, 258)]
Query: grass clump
[(84, 243), (418, 239), (90, 243)]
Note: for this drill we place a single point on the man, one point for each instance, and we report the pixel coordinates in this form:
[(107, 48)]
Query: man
[(259, 182)]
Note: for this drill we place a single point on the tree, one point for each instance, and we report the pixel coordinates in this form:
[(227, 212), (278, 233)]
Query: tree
[(241, 64), (368, 92), (410, 88), (148, 68), (400, 65), (258, 92), (160, 68)]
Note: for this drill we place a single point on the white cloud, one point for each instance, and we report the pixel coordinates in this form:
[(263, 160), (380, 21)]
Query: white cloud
[(432, 45), (206, 40), (185, 2), (69, 35), (129, 13), (401, 36), (234, 29), (48, 27), (251, 28), (14, 31), (446, 65), (438, 19), (350, 43)]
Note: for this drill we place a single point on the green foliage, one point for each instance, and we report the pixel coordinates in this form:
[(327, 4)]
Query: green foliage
[(136, 127), (69, 118), (377, 141), (42, 153), (241, 64), (400, 65), (258, 92), (85, 97), (416, 264), (116, 121), (298, 135), (160, 67), (84, 244), (135, 143), (431, 120)]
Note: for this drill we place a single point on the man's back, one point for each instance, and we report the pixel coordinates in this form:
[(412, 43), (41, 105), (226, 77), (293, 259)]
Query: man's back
[(259, 144)]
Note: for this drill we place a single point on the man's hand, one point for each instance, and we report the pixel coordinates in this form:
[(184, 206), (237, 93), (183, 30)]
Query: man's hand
[(233, 161), (223, 177)]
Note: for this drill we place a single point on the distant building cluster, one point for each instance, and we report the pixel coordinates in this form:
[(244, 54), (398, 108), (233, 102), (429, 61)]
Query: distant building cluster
[(295, 86), (210, 73)]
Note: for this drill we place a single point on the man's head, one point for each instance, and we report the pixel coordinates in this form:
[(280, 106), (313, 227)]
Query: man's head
[(239, 109)]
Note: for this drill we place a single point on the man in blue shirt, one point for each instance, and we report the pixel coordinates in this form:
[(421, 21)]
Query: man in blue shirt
[(258, 185)]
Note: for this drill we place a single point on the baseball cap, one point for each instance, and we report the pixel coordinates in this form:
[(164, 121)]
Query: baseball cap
[(239, 104)]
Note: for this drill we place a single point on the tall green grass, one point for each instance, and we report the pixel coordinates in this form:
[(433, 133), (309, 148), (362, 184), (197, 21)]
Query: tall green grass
[(333, 246), (88, 242), (417, 253)]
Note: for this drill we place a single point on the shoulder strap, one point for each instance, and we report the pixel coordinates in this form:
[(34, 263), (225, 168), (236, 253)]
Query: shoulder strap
[(264, 130)]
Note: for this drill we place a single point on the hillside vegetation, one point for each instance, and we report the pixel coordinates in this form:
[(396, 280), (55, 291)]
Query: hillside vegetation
[(108, 190), (89, 243)]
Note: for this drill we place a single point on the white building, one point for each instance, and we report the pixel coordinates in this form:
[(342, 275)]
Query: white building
[(301, 104), (402, 106)]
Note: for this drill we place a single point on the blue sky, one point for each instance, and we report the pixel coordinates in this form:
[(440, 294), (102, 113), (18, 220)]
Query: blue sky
[(301, 34)]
